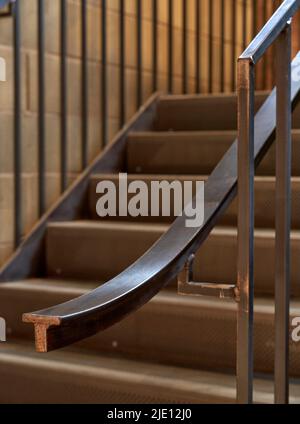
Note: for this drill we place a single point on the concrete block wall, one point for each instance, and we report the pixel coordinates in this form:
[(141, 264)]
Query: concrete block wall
[(30, 87)]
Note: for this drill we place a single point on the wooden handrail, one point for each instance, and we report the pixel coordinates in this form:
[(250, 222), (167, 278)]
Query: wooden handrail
[(77, 319)]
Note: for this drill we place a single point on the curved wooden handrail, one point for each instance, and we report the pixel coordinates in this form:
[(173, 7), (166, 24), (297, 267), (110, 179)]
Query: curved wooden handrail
[(77, 319)]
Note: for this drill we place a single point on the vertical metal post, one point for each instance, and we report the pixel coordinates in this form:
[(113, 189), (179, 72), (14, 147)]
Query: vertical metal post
[(283, 215), (154, 45), (17, 125), (84, 85), (104, 73), (64, 94), (41, 110), (122, 64), (184, 47), (139, 98), (170, 48), (210, 46), (245, 282), (198, 47)]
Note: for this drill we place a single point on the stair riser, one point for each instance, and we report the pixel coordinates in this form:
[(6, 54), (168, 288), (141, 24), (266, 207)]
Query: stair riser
[(264, 201), (191, 154), (100, 252), (168, 330), (203, 113)]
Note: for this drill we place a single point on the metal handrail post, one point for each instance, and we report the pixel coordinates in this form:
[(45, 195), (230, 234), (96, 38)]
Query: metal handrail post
[(245, 281), (283, 215)]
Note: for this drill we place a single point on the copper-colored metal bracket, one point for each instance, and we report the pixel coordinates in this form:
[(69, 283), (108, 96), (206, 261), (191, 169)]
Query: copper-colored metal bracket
[(186, 285)]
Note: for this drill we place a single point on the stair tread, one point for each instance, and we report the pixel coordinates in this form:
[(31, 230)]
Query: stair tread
[(102, 249), (148, 227), (120, 225), (196, 133), (179, 134), (149, 335), (36, 285), (182, 177), (192, 152), (76, 287), (206, 96), (167, 379)]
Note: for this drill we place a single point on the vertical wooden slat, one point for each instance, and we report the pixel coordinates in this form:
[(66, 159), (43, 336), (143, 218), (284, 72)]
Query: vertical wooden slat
[(41, 107), (17, 125), (154, 45), (122, 64), (245, 24), (222, 48), (139, 93), (233, 47), (104, 80), (170, 47), (184, 47), (198, 46), (210, 46), (63, 95), (84, 86)]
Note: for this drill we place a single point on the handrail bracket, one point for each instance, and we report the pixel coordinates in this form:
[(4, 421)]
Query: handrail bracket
[(188, 287)]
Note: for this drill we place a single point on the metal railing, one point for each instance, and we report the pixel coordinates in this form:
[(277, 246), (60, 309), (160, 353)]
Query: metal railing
[(277, 30), (203, 68)]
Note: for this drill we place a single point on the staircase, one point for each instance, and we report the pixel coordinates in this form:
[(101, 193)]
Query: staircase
[(175, 349)]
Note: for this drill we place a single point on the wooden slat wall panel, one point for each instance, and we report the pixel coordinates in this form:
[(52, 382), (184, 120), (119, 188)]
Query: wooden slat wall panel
[(52, 64)]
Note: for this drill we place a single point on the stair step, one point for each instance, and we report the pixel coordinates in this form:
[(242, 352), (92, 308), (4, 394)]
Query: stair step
[(205, 335), (199, 112), (75, 377), (93, 250), (204, 112), (264, 199), (192, 152), (101, 250), (34, 294)]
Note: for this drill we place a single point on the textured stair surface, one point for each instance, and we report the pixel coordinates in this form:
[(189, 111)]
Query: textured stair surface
[(76, 377), (176, 349), (204, 112), (205, 335), (100, 250), (192, 153), (194, 113)]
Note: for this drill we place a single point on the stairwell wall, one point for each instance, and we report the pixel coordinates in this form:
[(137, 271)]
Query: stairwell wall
[(30, 86)]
